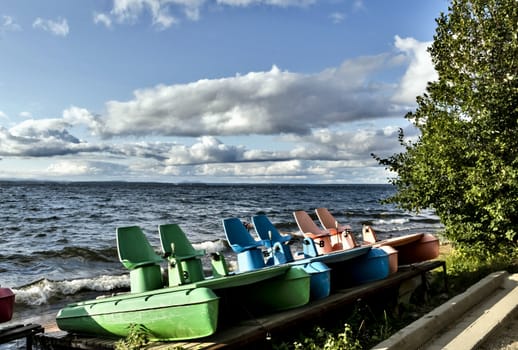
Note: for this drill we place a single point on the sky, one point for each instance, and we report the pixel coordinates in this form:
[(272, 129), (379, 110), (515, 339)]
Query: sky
[(242, 91)]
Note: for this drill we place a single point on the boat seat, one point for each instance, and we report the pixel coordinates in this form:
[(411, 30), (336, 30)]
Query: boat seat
[(368, 235), (309, 229), (309, 248), (345, 235), (249, 253), (137, 255), (268, 233), (185, 264), (219, 265)]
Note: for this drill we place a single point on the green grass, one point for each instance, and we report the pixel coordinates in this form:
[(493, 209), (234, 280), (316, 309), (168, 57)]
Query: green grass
[(368, 322)]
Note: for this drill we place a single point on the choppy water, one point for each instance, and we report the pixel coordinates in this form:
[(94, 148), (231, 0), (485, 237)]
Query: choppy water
[(58, 239)]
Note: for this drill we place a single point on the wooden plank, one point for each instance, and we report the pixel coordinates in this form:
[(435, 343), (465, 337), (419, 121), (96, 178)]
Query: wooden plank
[(19, 331), (257, 330)]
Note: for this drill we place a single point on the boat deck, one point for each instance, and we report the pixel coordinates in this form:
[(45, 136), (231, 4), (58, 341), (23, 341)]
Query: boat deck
[(255, 332)]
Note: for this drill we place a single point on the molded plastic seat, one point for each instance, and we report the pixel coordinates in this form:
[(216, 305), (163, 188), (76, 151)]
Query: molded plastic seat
[(368, 235), (268, 233), (137, 255), (345, 236), (309, 229), (249, 254), (185, 265)]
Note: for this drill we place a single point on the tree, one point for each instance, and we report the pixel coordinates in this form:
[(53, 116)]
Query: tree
[(464, 164)]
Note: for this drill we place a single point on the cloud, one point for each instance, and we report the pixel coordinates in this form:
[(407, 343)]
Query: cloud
[(58, 27), (42, 138), (86, 169), (337, 17), (9, 24), (131, 11), (25, 115), (265, 103), (3, 115), (419, 72), (280, 3), (328, 122), (102, 18), (128, 11)]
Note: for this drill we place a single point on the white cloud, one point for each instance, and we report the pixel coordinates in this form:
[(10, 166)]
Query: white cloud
[(268, 102), (280, 3), (67, 167), (80, 116), (3, 115), (58, 27), (103, 19), (316, 117), (9, 24), (419, 72), (42, 138), (130, 11), (337, 17)]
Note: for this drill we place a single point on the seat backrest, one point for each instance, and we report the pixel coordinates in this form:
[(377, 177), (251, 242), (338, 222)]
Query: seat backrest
[(326, 218), (368, 234), (238, 236), (264, 228), (306, 223), (134, 249), (173, 233)]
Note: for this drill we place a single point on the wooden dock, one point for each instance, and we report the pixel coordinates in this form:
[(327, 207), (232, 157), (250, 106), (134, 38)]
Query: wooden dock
[(256, 331), (19, 331)]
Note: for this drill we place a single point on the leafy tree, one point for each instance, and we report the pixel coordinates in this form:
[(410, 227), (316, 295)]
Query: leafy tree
[(464, 164)]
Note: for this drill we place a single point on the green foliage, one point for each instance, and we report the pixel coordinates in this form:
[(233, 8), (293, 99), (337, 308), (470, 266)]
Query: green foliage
[(136, 339), (362, 326), (464, 165), (320, 338)]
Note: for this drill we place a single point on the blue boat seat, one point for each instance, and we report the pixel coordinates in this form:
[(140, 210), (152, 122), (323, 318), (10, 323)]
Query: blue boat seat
[(269, 234), (249, 253), (137, 255), (185, 264)]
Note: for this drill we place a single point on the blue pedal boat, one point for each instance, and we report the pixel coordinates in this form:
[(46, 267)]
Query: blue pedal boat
[(251, 256), (348, 267)]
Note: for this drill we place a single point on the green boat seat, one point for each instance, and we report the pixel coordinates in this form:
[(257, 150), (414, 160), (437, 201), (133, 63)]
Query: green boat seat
[(137, 255), (219, 265), (185, 264), (249, 253), (269, 233)]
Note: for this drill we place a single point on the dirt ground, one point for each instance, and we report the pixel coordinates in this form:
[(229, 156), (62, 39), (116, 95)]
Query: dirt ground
[(506, 338)]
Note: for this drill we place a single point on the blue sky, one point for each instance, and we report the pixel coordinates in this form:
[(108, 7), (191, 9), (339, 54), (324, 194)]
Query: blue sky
[(209, 91)]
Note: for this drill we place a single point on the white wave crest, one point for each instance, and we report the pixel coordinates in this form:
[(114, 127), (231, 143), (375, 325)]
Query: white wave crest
[(212, 246), (40, 292), (399, 221)]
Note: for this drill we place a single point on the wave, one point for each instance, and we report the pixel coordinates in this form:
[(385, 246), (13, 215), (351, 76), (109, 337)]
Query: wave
[(214, 246), (398, 221), (44, 291)]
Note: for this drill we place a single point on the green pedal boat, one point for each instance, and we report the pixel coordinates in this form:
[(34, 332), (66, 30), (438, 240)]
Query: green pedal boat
[(191, 305), (163, 314)]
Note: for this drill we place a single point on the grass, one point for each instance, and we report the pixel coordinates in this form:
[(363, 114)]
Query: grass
[(368, 322)]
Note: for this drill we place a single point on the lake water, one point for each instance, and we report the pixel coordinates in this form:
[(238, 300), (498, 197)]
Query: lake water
[(58, 239)]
